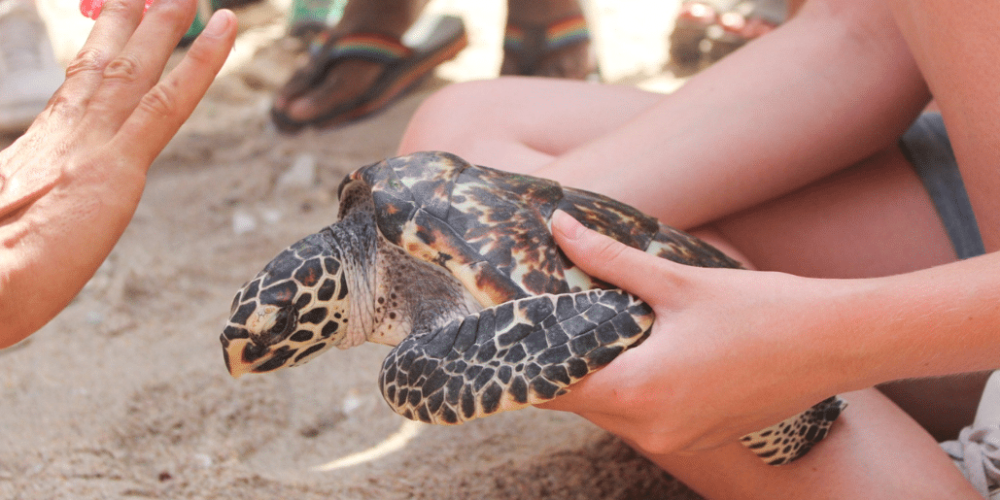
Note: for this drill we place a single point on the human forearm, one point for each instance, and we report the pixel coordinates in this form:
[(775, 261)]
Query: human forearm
[(750, 348), (829, 88), (845, 335), (937, 321)]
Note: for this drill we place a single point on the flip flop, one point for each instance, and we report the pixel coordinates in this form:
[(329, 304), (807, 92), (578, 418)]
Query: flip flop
[(527, 46), (405, 67)]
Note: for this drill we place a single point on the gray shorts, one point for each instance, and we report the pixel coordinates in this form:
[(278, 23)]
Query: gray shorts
[(928, 149)]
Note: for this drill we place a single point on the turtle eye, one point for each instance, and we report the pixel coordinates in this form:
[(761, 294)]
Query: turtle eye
[(284, 323)]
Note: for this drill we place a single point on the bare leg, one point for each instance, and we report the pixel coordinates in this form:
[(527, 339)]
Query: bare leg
[(944, 405), (872, 219), (874, 451), (520, 124), (886, 227), (869, 220)]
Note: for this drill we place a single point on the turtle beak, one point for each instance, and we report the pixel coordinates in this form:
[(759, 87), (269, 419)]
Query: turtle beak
[(243, 356), (236, 363), (246, 356)]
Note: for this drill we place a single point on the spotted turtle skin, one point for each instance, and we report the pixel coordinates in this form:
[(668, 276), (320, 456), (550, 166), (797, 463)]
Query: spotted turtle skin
[(455, 267)]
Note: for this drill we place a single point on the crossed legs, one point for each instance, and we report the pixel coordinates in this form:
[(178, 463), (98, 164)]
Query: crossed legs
[(867, 220)]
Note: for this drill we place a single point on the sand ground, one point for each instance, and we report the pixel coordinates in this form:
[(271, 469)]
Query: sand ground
[(125, 394)]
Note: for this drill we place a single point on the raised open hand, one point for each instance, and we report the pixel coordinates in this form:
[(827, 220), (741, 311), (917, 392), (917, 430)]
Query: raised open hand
[(70, 184)]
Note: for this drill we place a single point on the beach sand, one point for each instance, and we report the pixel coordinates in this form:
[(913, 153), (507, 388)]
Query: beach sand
[(125, 394)]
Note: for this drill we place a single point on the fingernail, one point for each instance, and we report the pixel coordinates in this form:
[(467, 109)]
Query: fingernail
[(567, 225), (217, 24)]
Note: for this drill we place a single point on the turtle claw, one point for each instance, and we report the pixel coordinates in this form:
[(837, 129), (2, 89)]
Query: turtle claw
[(513, 355)]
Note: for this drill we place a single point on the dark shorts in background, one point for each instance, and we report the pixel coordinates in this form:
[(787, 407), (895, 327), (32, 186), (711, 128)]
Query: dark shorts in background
[(928, 149)]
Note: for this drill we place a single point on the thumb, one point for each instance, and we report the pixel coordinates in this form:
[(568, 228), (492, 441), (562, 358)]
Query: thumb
[(610, 260)]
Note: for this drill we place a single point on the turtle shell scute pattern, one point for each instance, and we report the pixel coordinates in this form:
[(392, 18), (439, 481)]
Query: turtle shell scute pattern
[(466, 214), (490, 230)]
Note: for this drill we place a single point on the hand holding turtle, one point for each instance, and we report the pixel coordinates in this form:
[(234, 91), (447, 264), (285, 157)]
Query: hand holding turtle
[(702, 378), (70, 184)]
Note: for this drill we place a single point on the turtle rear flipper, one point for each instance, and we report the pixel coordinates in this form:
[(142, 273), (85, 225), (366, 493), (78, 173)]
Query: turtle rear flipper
[(793, 437), (510, 356)]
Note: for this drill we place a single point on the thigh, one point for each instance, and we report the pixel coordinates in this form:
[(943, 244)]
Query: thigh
[(873, 219), (942, 405), (873, 451), (520, 124)]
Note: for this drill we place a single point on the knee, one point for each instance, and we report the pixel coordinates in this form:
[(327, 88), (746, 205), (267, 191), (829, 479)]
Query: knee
[(455, 118)]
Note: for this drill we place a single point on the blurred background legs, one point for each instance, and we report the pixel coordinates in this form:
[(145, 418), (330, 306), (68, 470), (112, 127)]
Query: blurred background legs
[(708, 30), (364, 53)]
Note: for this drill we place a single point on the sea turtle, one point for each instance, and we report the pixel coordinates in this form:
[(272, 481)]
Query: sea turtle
[(454, 266)]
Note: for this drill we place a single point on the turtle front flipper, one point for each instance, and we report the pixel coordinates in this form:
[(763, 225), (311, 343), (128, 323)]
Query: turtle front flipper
[(510, 356), (530, 350)]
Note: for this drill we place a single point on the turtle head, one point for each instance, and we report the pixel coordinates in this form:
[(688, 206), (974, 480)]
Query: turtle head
[(292, 311)]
